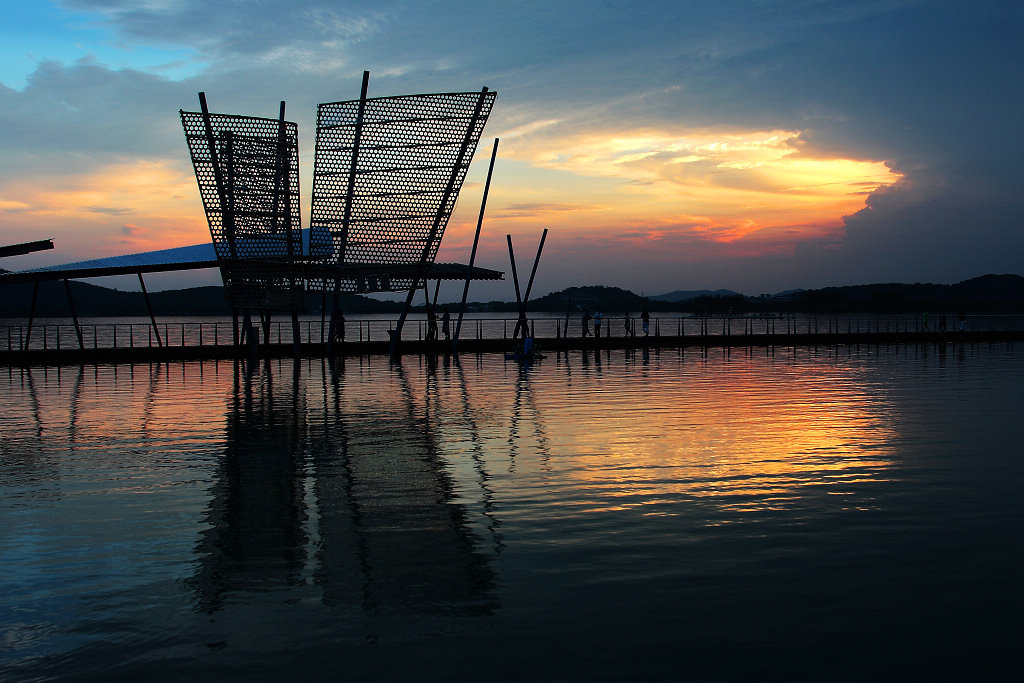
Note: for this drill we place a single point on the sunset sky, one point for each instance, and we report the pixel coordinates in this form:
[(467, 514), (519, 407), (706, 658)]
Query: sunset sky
[(752, 146)]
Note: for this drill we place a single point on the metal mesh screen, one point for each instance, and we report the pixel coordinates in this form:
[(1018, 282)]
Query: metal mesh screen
[(247, 170), (386, 177)]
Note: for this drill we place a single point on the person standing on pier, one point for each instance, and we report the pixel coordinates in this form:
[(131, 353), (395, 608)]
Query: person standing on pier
[(646, 318), (338, 324), (586, 322), (431, 326), (626, 324), (446, 321), (597, 324)]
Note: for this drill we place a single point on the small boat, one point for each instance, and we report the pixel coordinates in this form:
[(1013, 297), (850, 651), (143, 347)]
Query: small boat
[(525, 354)]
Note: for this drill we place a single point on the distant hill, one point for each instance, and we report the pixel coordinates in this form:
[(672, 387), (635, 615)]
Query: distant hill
[(683, 295), (986, 294), (594, 297), (93, 300)]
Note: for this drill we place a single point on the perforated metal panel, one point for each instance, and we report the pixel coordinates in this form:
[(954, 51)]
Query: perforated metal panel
[(247, 170), (386, 177)]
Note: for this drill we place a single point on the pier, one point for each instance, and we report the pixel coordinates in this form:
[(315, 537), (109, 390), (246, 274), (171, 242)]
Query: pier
[(65, 344)]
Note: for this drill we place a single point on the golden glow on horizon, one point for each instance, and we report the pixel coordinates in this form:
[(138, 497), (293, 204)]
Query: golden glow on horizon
[(712, 186), (117, 208), (654, 195)]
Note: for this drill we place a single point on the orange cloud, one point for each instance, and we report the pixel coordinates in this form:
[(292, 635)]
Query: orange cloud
[(715, 186), (128, 206)]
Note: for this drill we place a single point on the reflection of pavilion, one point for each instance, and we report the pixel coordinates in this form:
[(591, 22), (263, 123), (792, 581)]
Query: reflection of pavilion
[(256, 540), (379, 513)]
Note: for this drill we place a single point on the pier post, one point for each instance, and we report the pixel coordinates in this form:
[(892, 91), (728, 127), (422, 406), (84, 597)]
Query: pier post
[(476, 241), (149, 308), (74, 314), (31, 314)]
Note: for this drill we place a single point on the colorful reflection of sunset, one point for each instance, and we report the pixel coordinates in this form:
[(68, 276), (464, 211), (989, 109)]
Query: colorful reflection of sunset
[(741, 435)]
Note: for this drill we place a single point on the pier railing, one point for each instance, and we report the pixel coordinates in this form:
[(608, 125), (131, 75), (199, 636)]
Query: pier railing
[(50, 335)]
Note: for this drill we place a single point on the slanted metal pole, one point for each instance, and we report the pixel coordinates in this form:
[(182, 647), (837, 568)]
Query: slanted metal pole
[(533, 273), (515, 281), (282, 187), (476, 241), (282, 178), (349, 195), (149, 307), (31, 314), (74, 314), (357, 137), (227, 217)]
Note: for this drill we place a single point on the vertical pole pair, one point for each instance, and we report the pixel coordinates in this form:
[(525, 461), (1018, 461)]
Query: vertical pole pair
[(521, 323)]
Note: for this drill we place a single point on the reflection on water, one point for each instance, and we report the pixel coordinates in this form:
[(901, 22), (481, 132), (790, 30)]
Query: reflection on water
[(387, 533), (800, 506)]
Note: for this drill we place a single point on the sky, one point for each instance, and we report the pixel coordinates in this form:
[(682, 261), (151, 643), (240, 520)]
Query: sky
[(748, 145)]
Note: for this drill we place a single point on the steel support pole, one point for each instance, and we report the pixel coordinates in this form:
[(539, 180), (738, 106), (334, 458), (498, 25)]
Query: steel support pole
[(227, 218), (149, 308), (515, 281), (31, 314), (533, 273), (349, 196), (476, 241), (74, 314)]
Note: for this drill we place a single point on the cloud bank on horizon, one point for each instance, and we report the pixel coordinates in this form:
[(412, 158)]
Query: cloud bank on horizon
[(750, 145)]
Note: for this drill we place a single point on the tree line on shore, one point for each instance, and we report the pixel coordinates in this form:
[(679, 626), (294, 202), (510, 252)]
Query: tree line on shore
[(985, 294)]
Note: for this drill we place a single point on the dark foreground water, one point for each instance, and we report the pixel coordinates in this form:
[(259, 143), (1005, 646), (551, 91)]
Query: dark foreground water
[(829, 513)]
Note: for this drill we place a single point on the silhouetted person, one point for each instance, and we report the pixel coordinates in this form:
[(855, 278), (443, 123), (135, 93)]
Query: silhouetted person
[(597, 324), (646, 318), (586, 321), (626, 323), (431, 326), (446, 324), (338, 322)]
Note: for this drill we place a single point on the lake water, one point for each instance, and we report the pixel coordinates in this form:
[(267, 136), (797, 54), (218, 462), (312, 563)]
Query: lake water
[(822, 513)]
